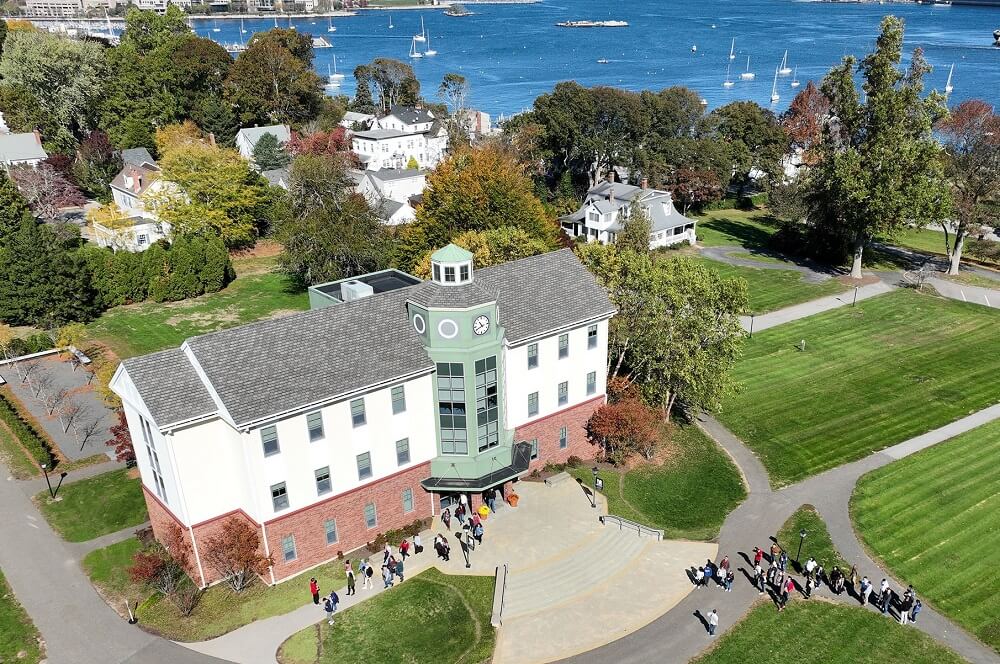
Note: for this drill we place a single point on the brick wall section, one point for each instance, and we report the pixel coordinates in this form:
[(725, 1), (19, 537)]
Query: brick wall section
[(348, 509), (546, 430), (204, 531)]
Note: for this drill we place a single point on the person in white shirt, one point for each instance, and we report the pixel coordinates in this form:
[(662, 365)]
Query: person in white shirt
[(713, 622)]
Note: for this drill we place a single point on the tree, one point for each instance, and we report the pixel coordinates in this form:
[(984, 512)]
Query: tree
[(625, 428), (756, 140), (298, 44), (971, 137), (23, 112), (454, 90), (880, 167), (491, 247), (217, 118), (88, 428), (694, 187), (392, 80), (234, 552), (268, 84), (330, 143), (45, 189), (70, 412), (363, 102), (163, 567), (13, 208), (97, 162), (147, 30), (268, 153), (804, 121), (635, 231), (121, 440), (71, 334)]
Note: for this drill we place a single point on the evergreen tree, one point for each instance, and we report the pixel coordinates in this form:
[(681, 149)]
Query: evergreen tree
[(13, 208), (268, 154), (216, 117)]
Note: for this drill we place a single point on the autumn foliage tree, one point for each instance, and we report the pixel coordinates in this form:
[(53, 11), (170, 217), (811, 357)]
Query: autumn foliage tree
[(330, 143), (46, 189), (235, 553), (625, 428), (121, 441), (162, 566), (803, 121), (694, 187)]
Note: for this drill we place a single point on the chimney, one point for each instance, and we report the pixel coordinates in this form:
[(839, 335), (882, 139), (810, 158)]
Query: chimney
[(211, 139), (138, 184), (38, 136), (610, 176), (644, 183)]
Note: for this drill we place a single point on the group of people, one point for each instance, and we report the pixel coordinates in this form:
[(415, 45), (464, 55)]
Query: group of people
[(908, 605), (721, 574)]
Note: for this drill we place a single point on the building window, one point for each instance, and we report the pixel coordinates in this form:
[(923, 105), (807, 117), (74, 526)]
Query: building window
[(314, 421), (407, 500), (269, 439), (403, 451), (532, 356), (323, 484), (592, 336), (288, 547), (364, 466), (563, 393), (398, 400), (563, 346), (487, 408), (142, 239), (533, 404), (463, 273), (451, 408), (358, 412), (371, 519), (437, 272), (563, 437), (592, 382), (330, 526), (534, 448), (154, 459), (279, 497), (449, 274)]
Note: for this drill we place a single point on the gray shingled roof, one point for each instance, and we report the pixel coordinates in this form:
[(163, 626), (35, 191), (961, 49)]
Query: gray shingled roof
[(169, 387), (412, 115), (380, 134), (254, 134), (390, 174), (137, 156), (431, 294), (20, 147)]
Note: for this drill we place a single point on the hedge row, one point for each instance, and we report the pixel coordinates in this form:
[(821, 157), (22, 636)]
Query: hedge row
[(34, 443)]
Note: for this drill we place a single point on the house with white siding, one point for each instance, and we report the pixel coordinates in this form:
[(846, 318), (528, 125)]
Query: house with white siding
[(405, 133)]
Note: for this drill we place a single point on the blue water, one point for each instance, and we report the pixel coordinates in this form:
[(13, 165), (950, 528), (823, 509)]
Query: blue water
[(513, 53)]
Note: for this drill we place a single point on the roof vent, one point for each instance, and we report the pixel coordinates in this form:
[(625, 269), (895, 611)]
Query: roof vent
[(355, 290)]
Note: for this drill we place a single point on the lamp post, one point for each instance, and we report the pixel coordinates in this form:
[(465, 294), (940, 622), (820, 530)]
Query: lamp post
[(751, 325), (593, 496), (46, 471), (855, 296), (802, 537)]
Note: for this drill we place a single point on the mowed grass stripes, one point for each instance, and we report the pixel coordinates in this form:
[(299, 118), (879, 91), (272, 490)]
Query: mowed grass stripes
[(771, 290), (891, 368), (934, 519)]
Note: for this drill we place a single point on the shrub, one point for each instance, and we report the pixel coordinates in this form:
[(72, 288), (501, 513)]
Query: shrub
[(378, 543), (35, 444), (122, 441), (574, 461), (625, 428), (234, 552), (721, 204)]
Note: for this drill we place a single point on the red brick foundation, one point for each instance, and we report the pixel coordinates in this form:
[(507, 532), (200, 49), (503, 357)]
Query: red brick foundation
[(546, 430)]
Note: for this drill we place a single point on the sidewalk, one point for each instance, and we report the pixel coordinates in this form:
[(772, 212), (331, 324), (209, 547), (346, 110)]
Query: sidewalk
[(813, 307)]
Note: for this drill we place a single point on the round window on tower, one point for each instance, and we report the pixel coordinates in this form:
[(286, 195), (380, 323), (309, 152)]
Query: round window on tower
[(448, 328)]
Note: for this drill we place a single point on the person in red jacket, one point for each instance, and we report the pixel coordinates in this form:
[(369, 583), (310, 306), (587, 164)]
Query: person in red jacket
[(314, 589)]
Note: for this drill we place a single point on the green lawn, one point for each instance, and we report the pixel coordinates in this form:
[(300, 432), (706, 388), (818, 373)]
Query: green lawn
[(770, 290), (973, 279), (891, 368), (758, 257), (17, 633), (219, 611), (137, 329), (817, 542), (925, 240), (735, 228), (95, 506), (934, 519), (688, 497), (431, 617), (819, 632)]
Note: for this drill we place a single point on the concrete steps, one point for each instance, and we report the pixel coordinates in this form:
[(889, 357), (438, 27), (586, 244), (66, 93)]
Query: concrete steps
[(577, 573)]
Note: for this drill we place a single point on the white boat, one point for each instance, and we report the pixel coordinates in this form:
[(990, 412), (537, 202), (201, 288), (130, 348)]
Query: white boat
[(603, 61), (331, 80), (336, 76), (414, 53), (391, 26), (422, 37), (728, 82), (243, 30), (795, 77), (732, 50), (275, 20), (216, 28), (948, 87), (784, 69), (332, 27), (747, 75), (694, 48), (774, 87), (429, 50)]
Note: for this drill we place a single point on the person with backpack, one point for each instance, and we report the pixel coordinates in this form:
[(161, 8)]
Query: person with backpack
[(314, 590), (730, 577), (386, 576), (713, 622), (477, 532), (369, 573), (446, 518), (350, 578), (329, 608)]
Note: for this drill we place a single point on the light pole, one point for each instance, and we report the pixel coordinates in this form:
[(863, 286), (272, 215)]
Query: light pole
[(855, 296), (46, 471), (751, 325), (802, 537), (593, 496)]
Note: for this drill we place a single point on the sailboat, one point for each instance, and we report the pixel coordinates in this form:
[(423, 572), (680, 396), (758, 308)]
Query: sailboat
[(774, 87), (391, 26), (414, 53), (784, 69), (243, 30), (728, 83), (747, 75), (795, 77), (422, 36), (732, 50), (429, 50), (216, 28), (336, 76), (331, 79), (948, 87), (275, 20), (332, 27)]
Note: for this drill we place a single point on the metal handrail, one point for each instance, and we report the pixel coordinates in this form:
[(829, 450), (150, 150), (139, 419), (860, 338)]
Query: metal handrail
[(499, 593), (624, 524)]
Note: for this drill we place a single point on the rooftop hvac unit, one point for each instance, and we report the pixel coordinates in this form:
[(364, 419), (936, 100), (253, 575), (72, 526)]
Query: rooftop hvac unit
[(355, 290)]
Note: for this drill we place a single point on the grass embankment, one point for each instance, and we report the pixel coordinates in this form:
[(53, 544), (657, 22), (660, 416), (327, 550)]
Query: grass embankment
[(94, 506), (817, 542), (819, 632), (925, 240), (751, 229), (893, 367), (431, 617), (14, 456), (688, 496), (934, 519), (257, 293), (18, 636), (220, 609), (770, 290)]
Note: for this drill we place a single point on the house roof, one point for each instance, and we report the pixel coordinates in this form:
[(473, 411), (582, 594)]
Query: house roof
[(411, 114), (353, 116), (452, 253), (276, 176), (264, 369), (388, 208), (663, 215), (137, 157), (253, 134), (142, 177), (21, 147), (381, 134), (390, 174)]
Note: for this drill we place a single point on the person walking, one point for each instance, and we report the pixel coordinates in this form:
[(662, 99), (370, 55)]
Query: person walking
[(866, 589), (404, 549), (807, 590), (477, 532), (810, 567), (314, 590), (915, 610), (350, 579), (775, 551), (335, 600), (446, 518), (418, 546), (399, 570), (883, 596), (369, 573), (491, 499), (782, 561), (730, 577), (854, 578), (386, 576), (724, 565), (460, 512), (758, 578), (328, 607), (713, 622), (904, 609), (386, 553), (758, 555), (699, 577), (785, 589)]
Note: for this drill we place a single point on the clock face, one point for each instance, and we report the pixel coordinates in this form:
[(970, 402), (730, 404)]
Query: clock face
[(481, 325)]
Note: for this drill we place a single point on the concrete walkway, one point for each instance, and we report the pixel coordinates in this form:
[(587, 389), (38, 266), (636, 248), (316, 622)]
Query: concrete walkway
[(679, 635), (813, 307)]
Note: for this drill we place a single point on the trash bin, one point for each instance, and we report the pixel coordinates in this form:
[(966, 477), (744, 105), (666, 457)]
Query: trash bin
[(512, 499), (484, 512)]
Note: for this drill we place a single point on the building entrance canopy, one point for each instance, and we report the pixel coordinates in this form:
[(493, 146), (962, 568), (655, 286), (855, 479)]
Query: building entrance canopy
[(520, 458)]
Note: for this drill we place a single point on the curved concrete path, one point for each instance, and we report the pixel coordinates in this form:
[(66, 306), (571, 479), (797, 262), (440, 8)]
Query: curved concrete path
[(679, 634), (812, 271)]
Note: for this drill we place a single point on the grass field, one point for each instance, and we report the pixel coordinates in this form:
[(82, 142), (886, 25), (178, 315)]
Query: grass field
[(430, 618), (973, 279), (95, 506), (18, 463), (922, 239), (219, 611), (934, 519), (819, 632), (688, 497), (770, 290), (735, 228), (891, 368), (817, 541), (256, 293), (18, 636)]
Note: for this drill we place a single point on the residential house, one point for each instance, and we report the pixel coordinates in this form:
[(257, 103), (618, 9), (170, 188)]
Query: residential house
[(277, 177), (246, 138), (137, 157), (405, 133), (132, 190), (607, 206), (21, 149), (361, 121), (391, 190), (383, 404)]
